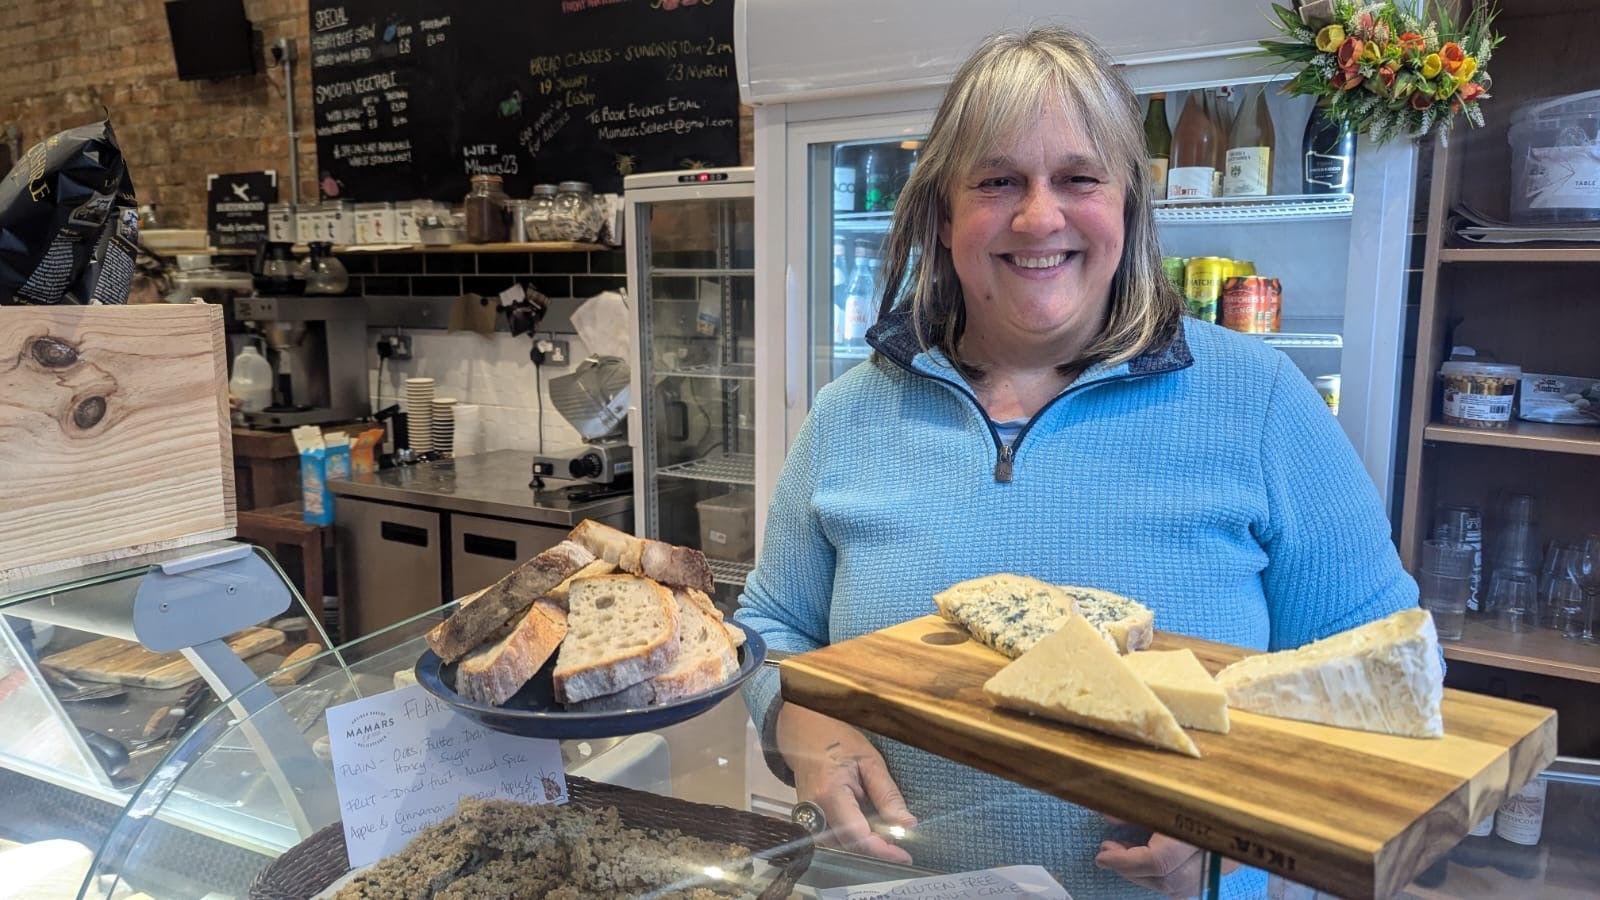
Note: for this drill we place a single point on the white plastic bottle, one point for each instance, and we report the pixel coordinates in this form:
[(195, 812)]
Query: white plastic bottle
[(252, 380)]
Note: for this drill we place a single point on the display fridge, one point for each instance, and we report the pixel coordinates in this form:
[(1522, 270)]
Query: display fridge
[(839, 115), (691, 417)]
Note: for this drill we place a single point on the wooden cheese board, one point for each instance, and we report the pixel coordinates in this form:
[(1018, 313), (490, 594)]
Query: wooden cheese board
[(124, 662), (1353, 813)]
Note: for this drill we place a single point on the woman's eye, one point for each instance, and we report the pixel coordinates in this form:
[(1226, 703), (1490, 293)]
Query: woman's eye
[(1083, 180), (999, 181)]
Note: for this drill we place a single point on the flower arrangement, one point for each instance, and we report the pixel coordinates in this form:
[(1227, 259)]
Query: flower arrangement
[(1386, 71)]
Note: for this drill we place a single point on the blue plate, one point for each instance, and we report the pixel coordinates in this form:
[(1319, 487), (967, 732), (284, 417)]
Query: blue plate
[(534, 712)]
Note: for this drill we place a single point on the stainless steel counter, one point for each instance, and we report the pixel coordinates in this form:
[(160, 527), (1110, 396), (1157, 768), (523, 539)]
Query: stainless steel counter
[(485, 484)]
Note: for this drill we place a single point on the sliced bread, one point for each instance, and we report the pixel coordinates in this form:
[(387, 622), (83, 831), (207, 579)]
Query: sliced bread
[(493, 673), (621, 630), (558, 594), (674, 566), (706, 658), (478, 618)]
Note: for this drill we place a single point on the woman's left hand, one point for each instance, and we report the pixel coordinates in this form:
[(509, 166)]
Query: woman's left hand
[(1165, 865)]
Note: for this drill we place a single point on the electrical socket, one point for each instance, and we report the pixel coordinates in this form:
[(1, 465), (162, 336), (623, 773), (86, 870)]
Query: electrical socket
[(559, 353), (395, 346)]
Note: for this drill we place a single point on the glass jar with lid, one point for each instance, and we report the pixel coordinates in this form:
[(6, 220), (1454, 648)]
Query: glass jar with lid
[(485, 208), (575, 217), (537, 220)]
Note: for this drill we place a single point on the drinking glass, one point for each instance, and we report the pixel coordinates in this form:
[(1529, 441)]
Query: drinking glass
[(1559, 562), (1588, 571), (1444, 580), (1512, 595)]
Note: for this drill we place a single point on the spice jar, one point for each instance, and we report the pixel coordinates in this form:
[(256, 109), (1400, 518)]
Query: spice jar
[(485, 208), (1478, 394), (540, 208), (575, 217)]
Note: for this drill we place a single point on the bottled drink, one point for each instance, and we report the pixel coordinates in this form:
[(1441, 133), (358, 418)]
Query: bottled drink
[(875, 175), (1194, 152), (1250, 151), (909, 151), (1519, 822), (860, 307), (844, 179), (841, 275), (1330, 155), (1476, 850), (1217, 108), (1158, 144)]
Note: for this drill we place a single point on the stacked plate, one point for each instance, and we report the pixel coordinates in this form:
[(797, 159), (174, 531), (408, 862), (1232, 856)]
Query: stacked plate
[(419, 413), (444, 424)]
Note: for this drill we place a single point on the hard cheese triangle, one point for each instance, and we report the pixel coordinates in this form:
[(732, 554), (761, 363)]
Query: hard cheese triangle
[(1385, 676), (1075, 676), (1184, 686)]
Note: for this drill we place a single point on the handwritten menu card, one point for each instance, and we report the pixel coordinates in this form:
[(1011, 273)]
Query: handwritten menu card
[(403, 759), (1009, 881)]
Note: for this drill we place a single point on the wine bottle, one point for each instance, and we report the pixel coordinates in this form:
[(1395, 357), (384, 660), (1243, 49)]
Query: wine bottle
[(1250, 152), (1330, 155), (1194, 152), (1158, 144)]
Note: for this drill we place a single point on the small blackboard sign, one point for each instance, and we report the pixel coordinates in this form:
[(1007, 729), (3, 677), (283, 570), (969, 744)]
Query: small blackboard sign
[(236, 207)]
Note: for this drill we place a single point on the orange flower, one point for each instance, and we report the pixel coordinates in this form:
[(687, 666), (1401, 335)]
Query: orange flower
[(1350, 53), (1386, 75), (1471, 91), (1452, 55), (1411, 42), (1421, 100), (1347, 81)]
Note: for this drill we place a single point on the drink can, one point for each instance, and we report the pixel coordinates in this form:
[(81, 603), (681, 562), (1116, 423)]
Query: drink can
[(1202, 285), (1463, 524), (1243, 267), (1172, 266), (1252, 304)]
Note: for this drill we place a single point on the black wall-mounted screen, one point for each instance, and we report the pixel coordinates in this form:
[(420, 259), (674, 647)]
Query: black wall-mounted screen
[(211, 38)]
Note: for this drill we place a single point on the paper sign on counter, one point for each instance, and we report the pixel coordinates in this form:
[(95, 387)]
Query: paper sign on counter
[(403, 759), (1008, 881)]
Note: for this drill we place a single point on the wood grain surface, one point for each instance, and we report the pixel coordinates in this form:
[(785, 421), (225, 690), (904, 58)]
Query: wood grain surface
[(113, 431), (1350, 812), (125, 662)]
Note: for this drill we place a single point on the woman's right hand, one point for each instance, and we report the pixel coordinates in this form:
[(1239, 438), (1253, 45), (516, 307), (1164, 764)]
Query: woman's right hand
[(836, 768)]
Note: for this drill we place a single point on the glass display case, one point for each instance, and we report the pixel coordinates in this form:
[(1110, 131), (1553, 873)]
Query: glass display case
[(691, 276), (104, 669), (160, 848)]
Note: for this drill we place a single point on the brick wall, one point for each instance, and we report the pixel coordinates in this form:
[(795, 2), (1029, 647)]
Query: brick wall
[(65, 60)]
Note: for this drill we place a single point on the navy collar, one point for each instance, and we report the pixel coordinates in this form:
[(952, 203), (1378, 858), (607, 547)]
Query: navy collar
[(893, 337)]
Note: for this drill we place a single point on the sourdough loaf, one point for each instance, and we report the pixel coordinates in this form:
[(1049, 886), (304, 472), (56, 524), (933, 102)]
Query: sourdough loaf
[(705, 659), (674, 566), (479, 618), (621, 630), (493, 673)]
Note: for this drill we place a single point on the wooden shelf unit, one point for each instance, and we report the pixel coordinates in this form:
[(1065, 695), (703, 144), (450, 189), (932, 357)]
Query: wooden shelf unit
[(532, 247), (1529, 305)]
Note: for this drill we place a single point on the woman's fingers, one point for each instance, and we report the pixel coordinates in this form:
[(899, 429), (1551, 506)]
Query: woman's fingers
[(884, 793), (848, 827)]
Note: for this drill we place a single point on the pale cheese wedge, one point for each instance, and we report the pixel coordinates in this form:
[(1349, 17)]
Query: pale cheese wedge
[(1075, 676), (1184, 685), (1384, 676)]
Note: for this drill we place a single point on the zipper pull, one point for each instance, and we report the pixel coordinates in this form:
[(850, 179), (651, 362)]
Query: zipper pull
[(1002, 466)]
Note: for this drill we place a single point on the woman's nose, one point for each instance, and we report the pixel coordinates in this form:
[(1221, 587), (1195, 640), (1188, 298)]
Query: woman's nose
[(1039, 212)]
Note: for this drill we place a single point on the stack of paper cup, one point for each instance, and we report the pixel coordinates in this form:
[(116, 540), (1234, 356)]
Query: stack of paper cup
[(444, 424), (469, 430), (419, 413)]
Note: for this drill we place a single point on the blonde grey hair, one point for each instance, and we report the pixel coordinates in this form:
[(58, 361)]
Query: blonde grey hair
[(997, 93)]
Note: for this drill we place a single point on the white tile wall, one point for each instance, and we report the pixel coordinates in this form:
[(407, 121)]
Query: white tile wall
[(491, 371)]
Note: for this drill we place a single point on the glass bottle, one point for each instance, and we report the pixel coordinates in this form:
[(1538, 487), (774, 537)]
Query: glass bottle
[(1194, 152), (859, 307), (574, 217), (1251, 144), (1157, 144), (1329, 155), (540, 208), (841, 277), (485, 208), (875, 175)]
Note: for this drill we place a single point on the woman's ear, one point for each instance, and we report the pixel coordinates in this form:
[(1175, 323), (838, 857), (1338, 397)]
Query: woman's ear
[(944, 229)]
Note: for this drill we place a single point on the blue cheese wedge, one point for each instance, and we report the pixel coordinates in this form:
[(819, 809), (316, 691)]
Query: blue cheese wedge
[(1126, 623), (1009, 613), (1384, 676)]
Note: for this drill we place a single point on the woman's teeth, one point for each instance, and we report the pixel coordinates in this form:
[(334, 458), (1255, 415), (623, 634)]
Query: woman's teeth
[(1038, 262)]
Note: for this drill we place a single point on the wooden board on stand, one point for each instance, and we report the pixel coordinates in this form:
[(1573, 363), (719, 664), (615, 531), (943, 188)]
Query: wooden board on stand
[(1350, 812), (114, 432), (125, 662)]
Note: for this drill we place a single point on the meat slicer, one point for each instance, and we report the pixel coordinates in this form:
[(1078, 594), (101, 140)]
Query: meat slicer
[(594, 400)]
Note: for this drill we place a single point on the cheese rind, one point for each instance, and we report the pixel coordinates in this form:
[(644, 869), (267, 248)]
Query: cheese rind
[(1009, 613), (1384, 676), (1125, 622), (1183, 686), (1073, 675)]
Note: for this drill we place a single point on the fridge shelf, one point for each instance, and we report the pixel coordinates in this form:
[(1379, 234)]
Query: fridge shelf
[(863, 222), (1282, 208), (726, 572), (730, 372), (849, 351), (702, 273), (1290, 341), (721, 467)]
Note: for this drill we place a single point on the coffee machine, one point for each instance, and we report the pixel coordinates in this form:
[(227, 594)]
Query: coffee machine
[(318, 350)]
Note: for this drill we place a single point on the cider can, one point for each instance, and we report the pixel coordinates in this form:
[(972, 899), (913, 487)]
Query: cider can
[(1252, 304), (1202, 285)]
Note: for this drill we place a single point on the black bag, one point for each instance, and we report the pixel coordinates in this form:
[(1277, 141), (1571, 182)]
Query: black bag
[(69, 226)]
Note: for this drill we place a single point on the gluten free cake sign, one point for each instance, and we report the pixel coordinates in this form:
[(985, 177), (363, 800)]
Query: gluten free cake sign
[(402, 760)]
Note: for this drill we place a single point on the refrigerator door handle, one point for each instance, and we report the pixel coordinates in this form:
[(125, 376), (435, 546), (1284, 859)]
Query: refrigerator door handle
[(794, 308)]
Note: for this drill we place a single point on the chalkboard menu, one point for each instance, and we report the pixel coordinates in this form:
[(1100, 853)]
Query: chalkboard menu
[(413, 96)]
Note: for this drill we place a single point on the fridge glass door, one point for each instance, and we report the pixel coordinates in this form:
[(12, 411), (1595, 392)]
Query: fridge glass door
[(697, 362)]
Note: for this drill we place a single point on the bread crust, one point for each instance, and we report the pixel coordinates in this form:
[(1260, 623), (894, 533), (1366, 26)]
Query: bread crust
[(492, 674), (478, 618)]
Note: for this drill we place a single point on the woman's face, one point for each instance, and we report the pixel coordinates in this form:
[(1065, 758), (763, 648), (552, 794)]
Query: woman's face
[(1035, 233)]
